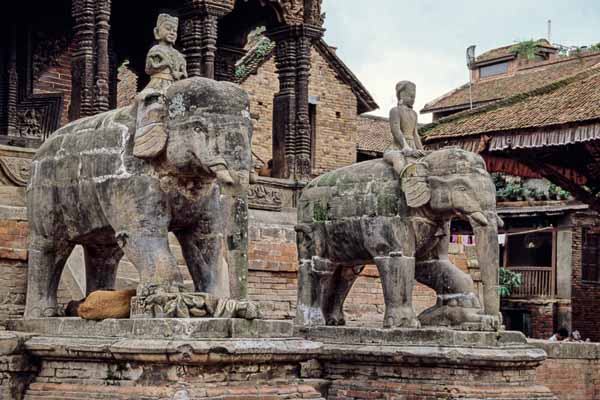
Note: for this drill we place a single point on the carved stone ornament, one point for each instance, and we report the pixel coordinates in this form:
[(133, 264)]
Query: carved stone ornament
[(30, 123), (264, 198), (159, 302), (16, 169)]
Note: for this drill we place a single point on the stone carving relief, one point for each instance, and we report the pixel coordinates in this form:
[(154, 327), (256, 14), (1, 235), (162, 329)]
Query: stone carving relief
[(16, 169), (264, 198), (158, 303), (30, 123)]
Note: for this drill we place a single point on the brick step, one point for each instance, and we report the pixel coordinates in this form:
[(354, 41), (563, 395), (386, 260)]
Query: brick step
[(52, 391)]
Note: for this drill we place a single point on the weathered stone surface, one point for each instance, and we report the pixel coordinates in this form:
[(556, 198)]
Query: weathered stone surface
[(411, 337), (87, 188), (382, 364), (366, 213), (155, 328)]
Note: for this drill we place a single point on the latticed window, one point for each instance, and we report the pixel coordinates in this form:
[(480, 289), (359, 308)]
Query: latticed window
[(590, 258)]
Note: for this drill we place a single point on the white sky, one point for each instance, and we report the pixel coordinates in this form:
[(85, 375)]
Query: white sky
[(384, 41)]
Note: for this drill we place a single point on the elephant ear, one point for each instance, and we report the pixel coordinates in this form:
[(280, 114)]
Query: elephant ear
[(414, 184)]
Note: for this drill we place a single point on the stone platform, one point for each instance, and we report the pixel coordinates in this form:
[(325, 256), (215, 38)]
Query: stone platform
[(331, 363), (156, 328)]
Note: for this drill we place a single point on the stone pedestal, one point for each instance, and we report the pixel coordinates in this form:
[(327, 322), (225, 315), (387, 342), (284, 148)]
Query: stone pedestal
[(69, 358)]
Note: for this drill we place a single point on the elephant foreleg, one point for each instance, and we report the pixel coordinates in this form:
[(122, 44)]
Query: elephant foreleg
[(46, 262), (203, 254), (101, 263), (397, 274), (152, 257), (457, 301)]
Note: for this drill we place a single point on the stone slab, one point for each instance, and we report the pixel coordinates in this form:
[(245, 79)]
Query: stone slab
[(167, 328), (412, 337)]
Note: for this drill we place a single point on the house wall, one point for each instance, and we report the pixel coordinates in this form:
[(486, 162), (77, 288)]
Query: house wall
[(585, 295), (571, 371), (57, 79), (336, 118)]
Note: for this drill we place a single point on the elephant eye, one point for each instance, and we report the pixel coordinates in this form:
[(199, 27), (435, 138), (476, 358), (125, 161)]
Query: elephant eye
[(461, 188)]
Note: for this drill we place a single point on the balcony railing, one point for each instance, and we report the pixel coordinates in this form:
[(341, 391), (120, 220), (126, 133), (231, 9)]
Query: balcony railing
[(536, 282)]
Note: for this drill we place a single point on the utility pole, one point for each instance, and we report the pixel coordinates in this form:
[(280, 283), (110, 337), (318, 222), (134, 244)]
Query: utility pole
[(470, 61)]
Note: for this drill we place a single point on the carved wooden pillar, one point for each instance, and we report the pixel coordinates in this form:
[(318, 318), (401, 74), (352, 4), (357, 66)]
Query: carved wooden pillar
[(191, 39), (102, 59), (284, 104), (12, 84), (82, 103), (227, 57), (291, 122), (208, 46), (303, 132), (199, 34)]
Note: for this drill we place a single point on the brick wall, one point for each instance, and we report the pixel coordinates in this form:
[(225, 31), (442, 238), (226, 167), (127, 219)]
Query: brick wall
[(585, 295), (571, 371), (336, 118), (127, 81), (57, 79)]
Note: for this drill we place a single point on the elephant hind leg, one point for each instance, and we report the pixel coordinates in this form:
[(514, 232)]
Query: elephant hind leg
[(101, 263), (335, 291), (397, 278), (322, 290), (46, 262)]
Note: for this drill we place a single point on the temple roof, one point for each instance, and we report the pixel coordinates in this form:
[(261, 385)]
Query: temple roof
[(263, 50), (373, 134), (528, 77), (574, 99)]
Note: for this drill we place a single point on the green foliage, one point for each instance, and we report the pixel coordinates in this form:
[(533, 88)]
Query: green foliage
[(319, 213), (513, 189), (558, 193), (240, 71), (509, 281), (525, 48)]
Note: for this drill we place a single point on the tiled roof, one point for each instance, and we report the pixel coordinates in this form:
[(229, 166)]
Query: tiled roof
[(570, 100), (528, 77), (373, 134), (263, 50), (505, 51)]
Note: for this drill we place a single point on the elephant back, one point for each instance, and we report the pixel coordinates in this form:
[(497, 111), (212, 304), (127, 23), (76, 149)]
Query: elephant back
[(369, 188), (88, 148), (217, 113)]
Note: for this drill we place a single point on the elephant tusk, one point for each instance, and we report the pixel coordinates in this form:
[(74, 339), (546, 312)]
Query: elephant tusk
[(479, 218), (499, 221)]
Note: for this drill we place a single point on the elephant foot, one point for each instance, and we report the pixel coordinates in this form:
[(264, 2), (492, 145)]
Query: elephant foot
[(335, 319), (400, 317), (44, 311), (461, 311)]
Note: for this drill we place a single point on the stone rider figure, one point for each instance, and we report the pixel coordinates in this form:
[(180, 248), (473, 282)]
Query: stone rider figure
[(165, 65), (403, 124)]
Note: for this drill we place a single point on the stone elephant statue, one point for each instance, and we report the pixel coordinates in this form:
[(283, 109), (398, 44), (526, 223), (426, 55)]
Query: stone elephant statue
[(365, 213), (87, 188)]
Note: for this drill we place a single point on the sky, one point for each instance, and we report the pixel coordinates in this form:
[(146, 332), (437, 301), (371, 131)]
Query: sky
[(385, 41)]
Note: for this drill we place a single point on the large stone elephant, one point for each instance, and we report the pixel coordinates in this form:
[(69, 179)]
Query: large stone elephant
[(87, 188), (365, 213)]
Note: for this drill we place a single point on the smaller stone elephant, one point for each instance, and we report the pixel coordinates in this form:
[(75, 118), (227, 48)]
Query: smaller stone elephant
[(365, 213)]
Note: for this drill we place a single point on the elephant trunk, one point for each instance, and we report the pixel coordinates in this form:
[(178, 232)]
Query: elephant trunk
[(485, 228)]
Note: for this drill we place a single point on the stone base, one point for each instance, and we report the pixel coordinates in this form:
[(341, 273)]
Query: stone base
[(323, 363), (155, 328)]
